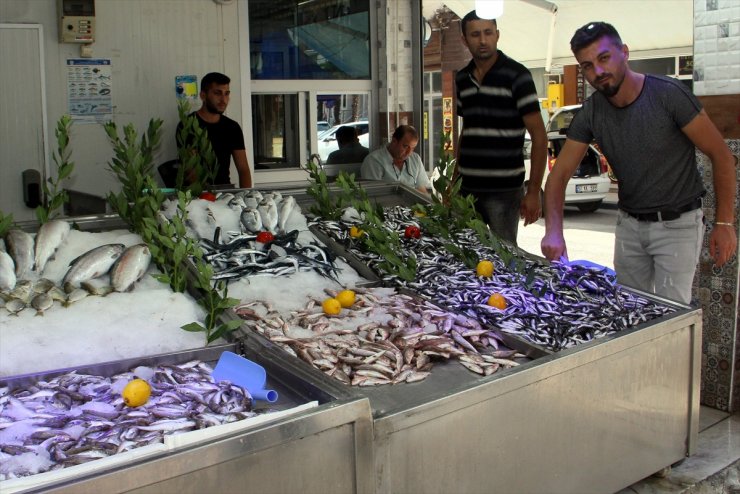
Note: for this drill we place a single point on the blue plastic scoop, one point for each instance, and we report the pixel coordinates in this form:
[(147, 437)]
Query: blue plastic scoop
[(245, 373)]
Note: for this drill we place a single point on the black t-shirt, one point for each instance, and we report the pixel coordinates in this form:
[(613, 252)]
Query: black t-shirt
[(226, 136)]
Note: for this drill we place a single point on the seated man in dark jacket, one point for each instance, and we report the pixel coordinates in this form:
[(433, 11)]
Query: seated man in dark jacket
[(350, 150)]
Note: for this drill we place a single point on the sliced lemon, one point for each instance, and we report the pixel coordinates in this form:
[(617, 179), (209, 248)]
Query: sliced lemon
[(346, 298), (355, 232), (331, 306), (497, 300), (136, 393), (485, 269)]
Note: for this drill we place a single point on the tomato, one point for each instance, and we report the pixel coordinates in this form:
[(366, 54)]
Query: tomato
[(265, 237), (208, 196), (412, 232)]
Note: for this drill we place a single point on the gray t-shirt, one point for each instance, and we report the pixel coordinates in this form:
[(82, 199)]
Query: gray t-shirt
[(378, 165), (654, 161)]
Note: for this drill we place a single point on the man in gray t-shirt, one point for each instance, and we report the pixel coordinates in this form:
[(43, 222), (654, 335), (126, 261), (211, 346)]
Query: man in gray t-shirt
[(648, 127)]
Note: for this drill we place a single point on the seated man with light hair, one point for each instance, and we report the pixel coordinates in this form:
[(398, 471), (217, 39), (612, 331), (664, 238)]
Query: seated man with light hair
[(397, 161)]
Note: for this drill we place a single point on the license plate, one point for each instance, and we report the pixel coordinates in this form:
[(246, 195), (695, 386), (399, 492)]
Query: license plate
[(586, 188)]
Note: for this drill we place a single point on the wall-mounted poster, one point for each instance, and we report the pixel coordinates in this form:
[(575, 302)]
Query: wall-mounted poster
[(89, 90), (186, 88)]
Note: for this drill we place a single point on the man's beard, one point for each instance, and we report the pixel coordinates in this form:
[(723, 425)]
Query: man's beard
[(609, 91), (213, 108)]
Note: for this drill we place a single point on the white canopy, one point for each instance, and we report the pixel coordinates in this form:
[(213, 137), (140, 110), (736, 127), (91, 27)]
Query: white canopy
[(650, 28)]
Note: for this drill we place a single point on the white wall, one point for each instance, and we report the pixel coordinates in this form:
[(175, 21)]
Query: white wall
[(149, 42)]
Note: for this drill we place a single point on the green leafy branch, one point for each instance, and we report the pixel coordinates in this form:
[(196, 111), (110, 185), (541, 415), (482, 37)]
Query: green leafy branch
[(140, 202), (54, 196), (377, 239), (198, 161), (6, 221)]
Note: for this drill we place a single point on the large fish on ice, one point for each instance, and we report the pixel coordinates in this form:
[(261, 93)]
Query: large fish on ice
[(48, 239), (91, 264), (20, 248), (130, 267), (7, 272), (286, 208), (269, 213), (251, 220)]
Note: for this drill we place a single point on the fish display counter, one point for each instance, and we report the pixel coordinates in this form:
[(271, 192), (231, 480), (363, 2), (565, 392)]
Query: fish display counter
[(542, 378), (67, 424), (269, 446), (579, 385)]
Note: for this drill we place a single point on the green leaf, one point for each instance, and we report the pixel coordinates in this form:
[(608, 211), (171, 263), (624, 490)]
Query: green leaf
[(193, 327)]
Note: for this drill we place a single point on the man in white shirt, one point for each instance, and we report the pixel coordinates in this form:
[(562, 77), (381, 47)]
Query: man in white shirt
[(397, 161)]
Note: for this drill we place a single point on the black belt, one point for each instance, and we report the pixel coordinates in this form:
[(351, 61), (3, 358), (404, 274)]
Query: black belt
[(671, 214)]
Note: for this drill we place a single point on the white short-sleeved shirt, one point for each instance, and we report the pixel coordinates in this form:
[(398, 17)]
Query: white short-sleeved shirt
[(378, 165)]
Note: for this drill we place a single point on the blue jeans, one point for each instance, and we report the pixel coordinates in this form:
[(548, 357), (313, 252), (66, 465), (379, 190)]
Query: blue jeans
[(501, 211), (659, 257)]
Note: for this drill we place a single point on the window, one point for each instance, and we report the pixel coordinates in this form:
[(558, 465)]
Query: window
[(315, 39), (309, 71)]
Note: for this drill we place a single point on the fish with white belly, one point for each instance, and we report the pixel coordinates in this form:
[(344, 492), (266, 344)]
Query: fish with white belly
[(49, 237), (7, 272), (91, 264), (269, 213), (130, 267), (20, 248), (251, 220)]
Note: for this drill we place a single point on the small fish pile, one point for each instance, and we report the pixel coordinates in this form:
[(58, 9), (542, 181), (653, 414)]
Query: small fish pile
[(384, 338), (560, 307), (245, 255), (125, 265), (75, 418), (263, 245)]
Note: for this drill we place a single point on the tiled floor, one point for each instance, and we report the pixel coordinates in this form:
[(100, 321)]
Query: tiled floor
[(715, 466)]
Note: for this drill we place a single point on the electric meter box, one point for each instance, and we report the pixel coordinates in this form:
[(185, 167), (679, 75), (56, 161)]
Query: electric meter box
[(76, 21)]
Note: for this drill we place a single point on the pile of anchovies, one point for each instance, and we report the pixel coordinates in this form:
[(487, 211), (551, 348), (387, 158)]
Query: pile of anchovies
[(75, 418), (238, 254), (381, 339), (563, 305), (241, 255)]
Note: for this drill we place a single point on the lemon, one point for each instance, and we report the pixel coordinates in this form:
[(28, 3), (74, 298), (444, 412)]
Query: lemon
[(497, 300), (136, 393), (346, 298), (485, 269), (331, 306), (355, 232)]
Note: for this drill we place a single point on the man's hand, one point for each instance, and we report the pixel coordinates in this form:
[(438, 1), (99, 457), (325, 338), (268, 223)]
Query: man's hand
[(531, 207), (722, 244), (553, 247)]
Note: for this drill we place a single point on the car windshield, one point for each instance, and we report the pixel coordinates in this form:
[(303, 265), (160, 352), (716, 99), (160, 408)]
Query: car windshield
[(561, 120)]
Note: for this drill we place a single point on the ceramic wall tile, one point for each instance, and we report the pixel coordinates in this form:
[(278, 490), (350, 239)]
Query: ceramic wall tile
[(716, 291)]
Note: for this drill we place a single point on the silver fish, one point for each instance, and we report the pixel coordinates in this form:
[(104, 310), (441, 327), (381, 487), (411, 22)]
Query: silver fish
[(20, 248), (93, 263), (130, 267), (75, 295), (7, 272), (251, 220), (269, 214), (15, 306), (41, 302), (49, 237), (286, 208), (23, 291), (250, 202), (97, 290), (42, 285)]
